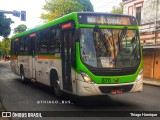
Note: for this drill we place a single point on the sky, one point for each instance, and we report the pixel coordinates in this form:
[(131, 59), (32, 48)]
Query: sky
[(33, 10)]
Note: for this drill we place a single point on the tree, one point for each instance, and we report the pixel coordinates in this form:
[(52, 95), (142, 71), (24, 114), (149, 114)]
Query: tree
[(5, 47), (117, 10), (5, 23), (87, 5), (58, 8), (1, 50), (20, 28)]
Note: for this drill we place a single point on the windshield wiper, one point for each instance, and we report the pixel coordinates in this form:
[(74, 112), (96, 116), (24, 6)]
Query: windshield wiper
[(101, 36), (123, 33), (121, 36)]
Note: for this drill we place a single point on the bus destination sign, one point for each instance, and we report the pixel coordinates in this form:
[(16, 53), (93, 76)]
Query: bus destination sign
[(107, 19), (104, 20)]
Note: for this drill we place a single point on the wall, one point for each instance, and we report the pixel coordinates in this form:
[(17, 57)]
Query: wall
[(150, 19), (151, 11), (129, 6), (151, 64)]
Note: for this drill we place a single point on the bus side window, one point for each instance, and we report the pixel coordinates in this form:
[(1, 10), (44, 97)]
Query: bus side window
[(44, 38), (22, 45), (31, 41), (26, 42), (54, 41), (16, 46), (12, 47)]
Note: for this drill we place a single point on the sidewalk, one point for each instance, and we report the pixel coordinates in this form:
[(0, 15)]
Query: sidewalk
[(151, 81), (4, 61)]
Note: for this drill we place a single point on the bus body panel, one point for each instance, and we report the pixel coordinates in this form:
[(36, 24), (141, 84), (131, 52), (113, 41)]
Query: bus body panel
[(26, 62), (43, 67), (86, 89), (14, 64)]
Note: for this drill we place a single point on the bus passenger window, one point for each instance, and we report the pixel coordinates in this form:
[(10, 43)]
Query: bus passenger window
[(16, 46), (12, 47), (21, 45), (26, 44), (54, 42), (44, 37)]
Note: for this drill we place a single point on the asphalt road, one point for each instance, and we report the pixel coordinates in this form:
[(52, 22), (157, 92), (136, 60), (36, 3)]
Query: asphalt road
[(17, 96)]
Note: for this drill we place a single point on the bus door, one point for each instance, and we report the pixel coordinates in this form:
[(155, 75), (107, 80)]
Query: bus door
[(66, 58), (32, 41)]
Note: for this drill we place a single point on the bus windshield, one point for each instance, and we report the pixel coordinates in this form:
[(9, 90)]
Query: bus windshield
[(109, 48)]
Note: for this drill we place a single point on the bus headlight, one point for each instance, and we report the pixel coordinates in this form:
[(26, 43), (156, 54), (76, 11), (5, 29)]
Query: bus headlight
[(140, 76), (87, 78)]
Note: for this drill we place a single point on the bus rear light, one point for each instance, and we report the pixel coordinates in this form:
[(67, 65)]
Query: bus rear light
[(86, 78)]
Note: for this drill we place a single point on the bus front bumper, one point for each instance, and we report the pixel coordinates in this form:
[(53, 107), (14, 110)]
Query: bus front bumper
[(86, 89)]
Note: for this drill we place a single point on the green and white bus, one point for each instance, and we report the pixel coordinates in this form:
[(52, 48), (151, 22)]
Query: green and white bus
[(82, 53)]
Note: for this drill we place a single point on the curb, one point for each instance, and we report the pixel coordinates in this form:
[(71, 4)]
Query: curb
[(152, 83)]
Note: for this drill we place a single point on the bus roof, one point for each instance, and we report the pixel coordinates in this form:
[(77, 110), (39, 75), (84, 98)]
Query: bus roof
[(67, 17), (71, 16)]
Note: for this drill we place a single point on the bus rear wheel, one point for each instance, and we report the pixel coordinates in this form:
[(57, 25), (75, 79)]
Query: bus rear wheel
[(23, 79)]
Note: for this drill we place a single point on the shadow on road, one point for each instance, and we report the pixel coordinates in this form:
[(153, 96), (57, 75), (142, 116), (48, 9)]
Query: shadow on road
[(101, 102), (83, 102)]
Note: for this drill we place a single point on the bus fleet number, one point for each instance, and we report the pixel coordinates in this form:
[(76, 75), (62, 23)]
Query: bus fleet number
[(106, 80)]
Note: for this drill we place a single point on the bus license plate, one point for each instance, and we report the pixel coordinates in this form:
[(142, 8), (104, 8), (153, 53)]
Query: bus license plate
[(114, 92)]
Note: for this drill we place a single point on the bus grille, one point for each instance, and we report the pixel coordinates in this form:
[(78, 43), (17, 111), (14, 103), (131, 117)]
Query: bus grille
[(108, 89)]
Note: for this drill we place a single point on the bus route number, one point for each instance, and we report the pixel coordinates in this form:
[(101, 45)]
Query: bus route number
[(106, 80)]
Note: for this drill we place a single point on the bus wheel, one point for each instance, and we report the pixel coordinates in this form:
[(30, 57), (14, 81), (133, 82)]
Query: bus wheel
[(23, 79), (57, 90)]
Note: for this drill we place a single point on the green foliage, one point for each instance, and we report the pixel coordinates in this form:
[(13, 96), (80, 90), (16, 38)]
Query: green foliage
[(1, 50), (58, 8), (20, 28), (5, 47), (87, 5), (117, 10), (5, 23)]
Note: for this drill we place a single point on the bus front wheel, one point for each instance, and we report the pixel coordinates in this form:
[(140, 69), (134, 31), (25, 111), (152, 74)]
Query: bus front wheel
[(57, 90), (55, 83)]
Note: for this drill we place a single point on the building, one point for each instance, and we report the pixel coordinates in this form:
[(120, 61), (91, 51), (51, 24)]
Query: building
[(147, 13)]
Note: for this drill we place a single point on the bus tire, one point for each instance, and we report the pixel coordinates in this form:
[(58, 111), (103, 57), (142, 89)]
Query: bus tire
[(57, 90), (23, 79), (55, 84)]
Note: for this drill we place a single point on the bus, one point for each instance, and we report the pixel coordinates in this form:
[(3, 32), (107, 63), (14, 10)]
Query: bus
[(82, 53)]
